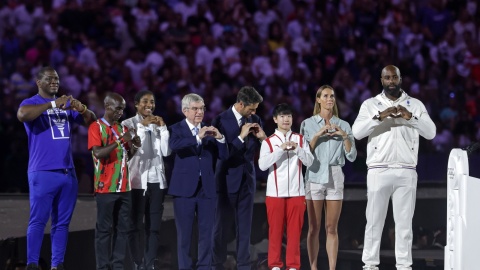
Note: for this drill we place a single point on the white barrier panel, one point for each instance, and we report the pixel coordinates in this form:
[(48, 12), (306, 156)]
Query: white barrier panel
[(463, 214)]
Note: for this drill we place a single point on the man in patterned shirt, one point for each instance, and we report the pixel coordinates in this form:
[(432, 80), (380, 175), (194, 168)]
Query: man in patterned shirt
[(112, 145)]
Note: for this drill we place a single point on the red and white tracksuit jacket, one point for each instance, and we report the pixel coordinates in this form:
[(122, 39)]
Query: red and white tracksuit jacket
[(285, 178)]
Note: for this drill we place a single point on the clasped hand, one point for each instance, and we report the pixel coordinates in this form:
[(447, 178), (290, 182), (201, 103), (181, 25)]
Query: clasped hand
[(69, 103), (209, 131), (131, 135), (287, 146), (396, 112), (152, 119), (253, 128), (331, 130)]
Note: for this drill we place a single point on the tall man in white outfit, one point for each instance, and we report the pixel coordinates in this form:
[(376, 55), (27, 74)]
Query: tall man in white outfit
[(393, 122)]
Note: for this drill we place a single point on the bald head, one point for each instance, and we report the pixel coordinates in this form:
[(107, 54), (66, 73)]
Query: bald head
[(391, 82), (111, 97), (114, 106), (391, 69)]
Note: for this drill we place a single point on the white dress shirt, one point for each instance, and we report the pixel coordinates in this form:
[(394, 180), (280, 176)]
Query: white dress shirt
[(147, 165)]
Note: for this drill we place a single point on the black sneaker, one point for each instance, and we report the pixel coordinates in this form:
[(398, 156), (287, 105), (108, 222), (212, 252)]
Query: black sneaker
[(32, 266), (152, 266), (140, 266), (58, 267)]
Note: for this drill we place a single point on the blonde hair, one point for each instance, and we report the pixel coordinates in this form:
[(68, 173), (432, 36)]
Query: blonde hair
[(317, 108)]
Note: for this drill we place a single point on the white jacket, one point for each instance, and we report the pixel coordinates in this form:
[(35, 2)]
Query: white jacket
[(393, 142), (142, 168), (285, 178)]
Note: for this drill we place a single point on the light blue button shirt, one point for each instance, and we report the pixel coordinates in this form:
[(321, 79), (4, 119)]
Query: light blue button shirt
[(329, 151)]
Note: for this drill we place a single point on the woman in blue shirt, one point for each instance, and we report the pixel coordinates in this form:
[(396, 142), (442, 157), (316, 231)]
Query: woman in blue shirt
[(330, 140)]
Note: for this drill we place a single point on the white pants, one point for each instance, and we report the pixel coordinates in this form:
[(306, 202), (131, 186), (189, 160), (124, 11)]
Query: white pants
[(401, 185)]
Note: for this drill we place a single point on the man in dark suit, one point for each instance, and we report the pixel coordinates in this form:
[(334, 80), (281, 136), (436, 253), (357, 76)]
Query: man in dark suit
[(193, 188), (236, 176)]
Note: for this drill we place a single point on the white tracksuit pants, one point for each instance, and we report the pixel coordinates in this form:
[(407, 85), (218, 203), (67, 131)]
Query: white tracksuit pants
[(401, 185)]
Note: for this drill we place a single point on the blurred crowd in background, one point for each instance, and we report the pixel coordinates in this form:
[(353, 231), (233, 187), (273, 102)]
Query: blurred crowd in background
[(286, 49)]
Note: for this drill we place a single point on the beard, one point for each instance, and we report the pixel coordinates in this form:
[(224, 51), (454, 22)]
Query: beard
[(394, 92)]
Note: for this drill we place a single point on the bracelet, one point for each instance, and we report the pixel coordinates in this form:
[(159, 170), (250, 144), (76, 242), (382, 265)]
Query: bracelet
[(54, 105), (135, 147), (118, 143), (84, 109)]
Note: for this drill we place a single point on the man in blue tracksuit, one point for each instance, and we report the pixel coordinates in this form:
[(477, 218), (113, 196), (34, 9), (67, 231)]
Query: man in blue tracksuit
[(53, 185)]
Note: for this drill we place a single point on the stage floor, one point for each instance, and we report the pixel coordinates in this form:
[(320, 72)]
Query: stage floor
[(14, 213), (14, 209), (422, 259)]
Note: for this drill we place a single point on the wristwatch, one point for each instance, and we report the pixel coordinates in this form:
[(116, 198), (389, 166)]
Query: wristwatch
[(377, 116)]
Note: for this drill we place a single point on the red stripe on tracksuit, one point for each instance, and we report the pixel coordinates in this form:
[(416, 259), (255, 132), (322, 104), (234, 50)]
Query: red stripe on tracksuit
[(274, 164), (299, 162)]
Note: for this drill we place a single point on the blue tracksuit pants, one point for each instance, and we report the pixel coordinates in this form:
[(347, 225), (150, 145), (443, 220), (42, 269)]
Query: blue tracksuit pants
[(52, 194)]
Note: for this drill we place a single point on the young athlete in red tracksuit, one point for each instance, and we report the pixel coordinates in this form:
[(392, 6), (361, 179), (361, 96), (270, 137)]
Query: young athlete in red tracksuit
[(283, 154)]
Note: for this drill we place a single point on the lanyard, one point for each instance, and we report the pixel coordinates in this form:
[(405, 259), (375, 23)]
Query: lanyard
[(113, 130), (120, 179)]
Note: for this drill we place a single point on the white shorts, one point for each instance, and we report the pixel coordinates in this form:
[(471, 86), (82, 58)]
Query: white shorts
[(331, 191)]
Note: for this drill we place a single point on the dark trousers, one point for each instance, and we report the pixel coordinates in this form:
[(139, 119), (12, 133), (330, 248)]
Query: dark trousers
[(239, 207), (185, 210), (112, 229), (149, 206)]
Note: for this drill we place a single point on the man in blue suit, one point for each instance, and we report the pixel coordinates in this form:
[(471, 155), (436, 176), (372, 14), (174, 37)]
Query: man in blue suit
[(196, 148), (235, 176)]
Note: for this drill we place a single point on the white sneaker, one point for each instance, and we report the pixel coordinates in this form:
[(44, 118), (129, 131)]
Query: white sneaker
[(370, 267), (276, 268), (292, 269)]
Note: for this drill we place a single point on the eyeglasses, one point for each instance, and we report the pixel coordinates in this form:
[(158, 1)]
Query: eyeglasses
[(195, 109)]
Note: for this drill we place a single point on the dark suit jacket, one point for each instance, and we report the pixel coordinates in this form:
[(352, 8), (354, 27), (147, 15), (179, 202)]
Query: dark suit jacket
[(240, 162), (189, 161)]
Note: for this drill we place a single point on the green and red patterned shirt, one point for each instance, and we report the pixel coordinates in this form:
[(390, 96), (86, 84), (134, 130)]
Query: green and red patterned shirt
[(111, 173)]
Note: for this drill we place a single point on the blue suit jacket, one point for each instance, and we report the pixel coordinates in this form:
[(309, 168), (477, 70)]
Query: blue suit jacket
[(240, 162), (189, 161)]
